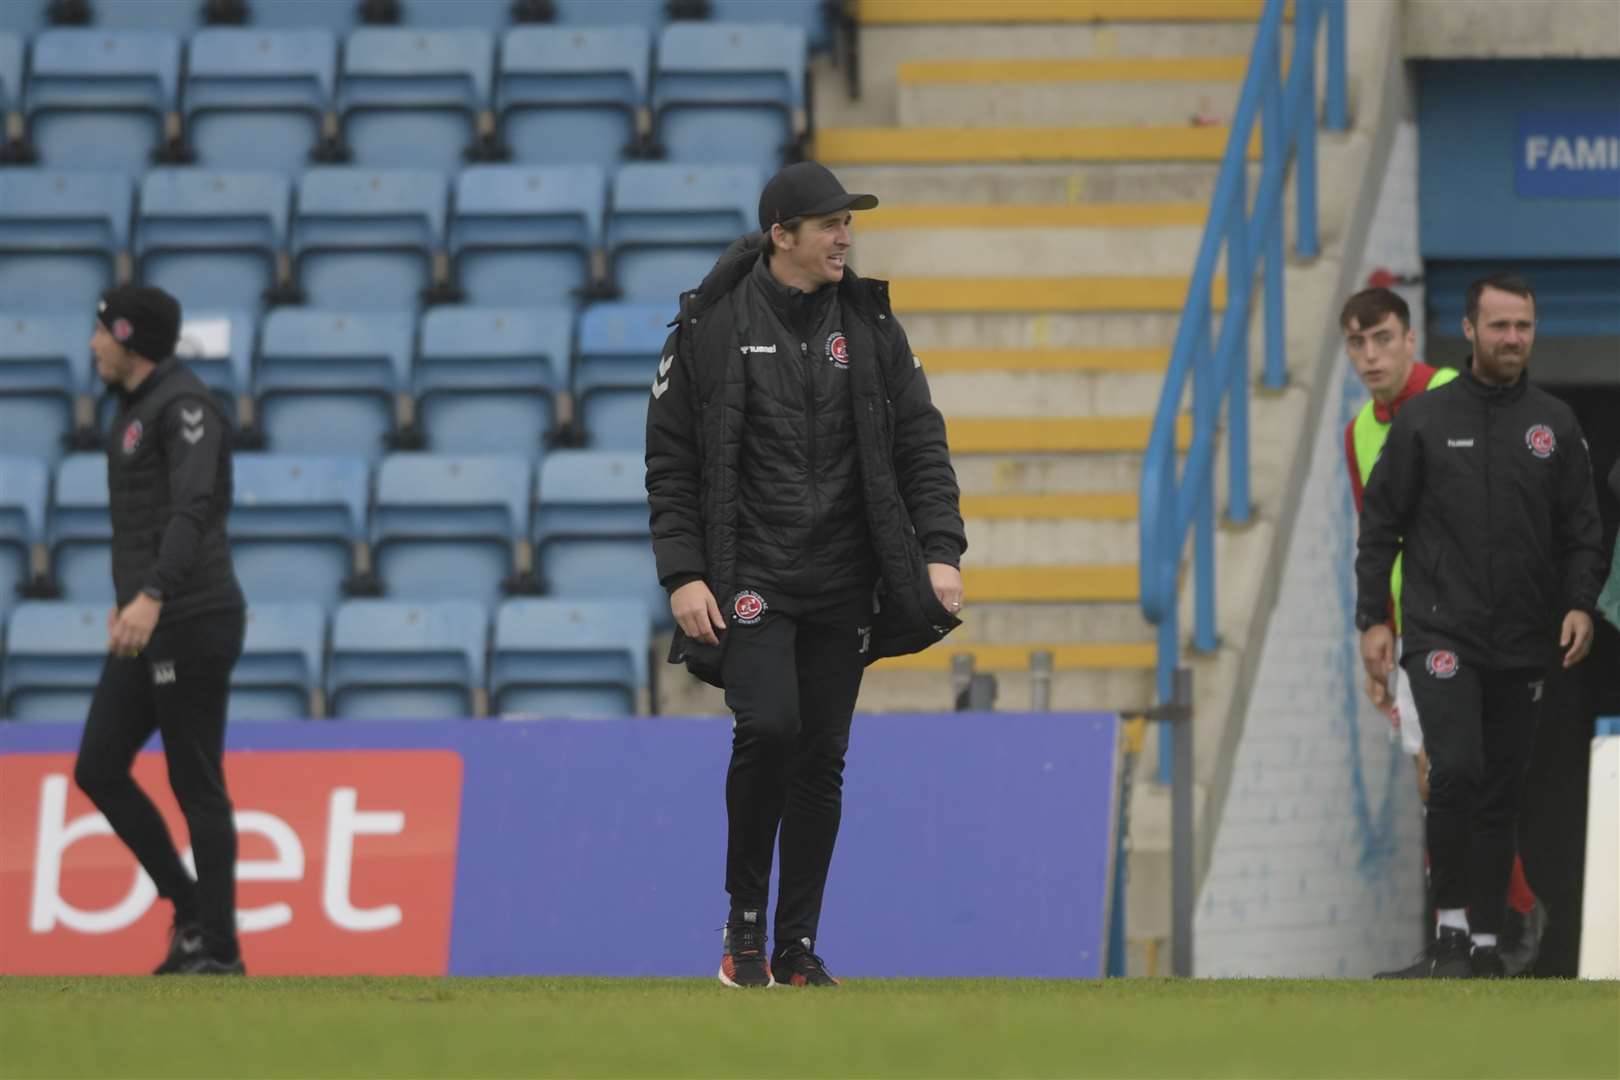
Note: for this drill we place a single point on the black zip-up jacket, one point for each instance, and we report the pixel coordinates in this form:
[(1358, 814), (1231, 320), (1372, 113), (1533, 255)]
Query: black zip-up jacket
[(169, 491), (1488, 491), (696, 424)]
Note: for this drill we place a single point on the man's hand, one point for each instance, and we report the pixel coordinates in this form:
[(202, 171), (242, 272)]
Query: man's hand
[(696, 612), (1576, 638), (129, 630), (947, 582), (1378, 651), (1378, 694)]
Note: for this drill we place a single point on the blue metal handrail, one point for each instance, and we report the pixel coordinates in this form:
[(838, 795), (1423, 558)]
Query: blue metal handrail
[(1253, 243)]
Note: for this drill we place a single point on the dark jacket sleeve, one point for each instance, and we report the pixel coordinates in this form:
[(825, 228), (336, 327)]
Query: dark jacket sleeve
[(1387, 508), (674, 470), (1578, 531), (193, 440), (922, 459)]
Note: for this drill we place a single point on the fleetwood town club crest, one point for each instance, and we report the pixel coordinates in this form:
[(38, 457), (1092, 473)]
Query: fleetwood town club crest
[(838, 349), (132, 437), (1442, 663), (748, 608), (1540, 441)]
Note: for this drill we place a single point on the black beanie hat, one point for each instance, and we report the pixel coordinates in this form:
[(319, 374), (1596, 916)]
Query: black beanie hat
[(142, 319)]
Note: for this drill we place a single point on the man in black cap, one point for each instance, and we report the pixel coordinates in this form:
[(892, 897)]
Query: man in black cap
[(177, 629), (805, 521)]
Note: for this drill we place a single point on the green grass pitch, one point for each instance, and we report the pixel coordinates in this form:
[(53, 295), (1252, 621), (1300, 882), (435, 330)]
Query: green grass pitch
[(407, 1027)]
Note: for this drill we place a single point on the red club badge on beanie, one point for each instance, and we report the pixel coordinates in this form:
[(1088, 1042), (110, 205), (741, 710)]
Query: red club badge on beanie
[(122, 330)]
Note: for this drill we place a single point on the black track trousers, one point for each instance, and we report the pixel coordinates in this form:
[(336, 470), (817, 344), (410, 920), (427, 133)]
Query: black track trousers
[(1478, 728), (792, 675), (178, 685)]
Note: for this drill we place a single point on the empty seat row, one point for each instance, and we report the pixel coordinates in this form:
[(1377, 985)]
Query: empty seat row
[(182, 16), (311, 528), (404, 98), (381, 659), (500, 234), (471, 380)]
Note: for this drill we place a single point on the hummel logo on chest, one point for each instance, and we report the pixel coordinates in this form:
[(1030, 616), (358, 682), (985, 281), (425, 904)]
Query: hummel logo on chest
[(1459, 442), (759, 349)]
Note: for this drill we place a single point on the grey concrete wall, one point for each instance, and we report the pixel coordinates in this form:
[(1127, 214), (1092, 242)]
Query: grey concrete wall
[(1487, 29)]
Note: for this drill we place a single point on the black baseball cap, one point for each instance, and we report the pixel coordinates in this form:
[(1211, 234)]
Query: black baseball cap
[(143, 319), (806, 189)]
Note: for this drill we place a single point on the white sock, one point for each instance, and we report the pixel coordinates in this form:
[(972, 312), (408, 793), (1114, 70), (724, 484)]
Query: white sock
[(1456, 918), (1485, 941)]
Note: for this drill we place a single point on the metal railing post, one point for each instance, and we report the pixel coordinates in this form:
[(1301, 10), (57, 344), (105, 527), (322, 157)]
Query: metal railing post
[(1040, 680), (1274, 140), (1239, 287), (1338, 116), (1183, 840), (1306, 242)]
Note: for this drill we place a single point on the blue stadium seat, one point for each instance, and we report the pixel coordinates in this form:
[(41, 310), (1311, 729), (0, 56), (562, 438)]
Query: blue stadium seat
[(44, 367), (25, 18), (282, 663), (669, 223), (100, 99), (415, 98), (54, 656), (328, 382), (24, 484), (584, 13), (568, 658), (572, 95), (218, 346), (256, 99), (212, 238), (483, 14), (11, 79), (487, 379), (80, 531), (395, 660), (339, 17), (591, 533), (521, 234), (295, 524), (367, 238), (180, 16), (60, 236), (729, 92), (808, 15), (447, 527), (618, 358)]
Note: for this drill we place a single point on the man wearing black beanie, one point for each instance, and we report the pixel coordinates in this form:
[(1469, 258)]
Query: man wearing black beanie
[(176, 631)]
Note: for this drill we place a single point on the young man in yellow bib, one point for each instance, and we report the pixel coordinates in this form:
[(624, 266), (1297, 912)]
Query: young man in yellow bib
[(1377, 328)]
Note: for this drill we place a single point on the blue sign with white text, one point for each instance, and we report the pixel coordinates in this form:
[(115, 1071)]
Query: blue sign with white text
[(1568, 155)]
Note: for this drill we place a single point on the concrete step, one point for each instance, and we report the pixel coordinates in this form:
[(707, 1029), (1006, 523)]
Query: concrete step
[(989, 330), (1046, 394), (1118, 361), (1052, 506), (1016, 658), (987, 622), (1048, 435), (1050, 584), (1107, 690), (1031, 542), (910, 216), (1133, 293), (838, 147), (1165, 251), (1039, 474), (1057, 93), (1081, 183)]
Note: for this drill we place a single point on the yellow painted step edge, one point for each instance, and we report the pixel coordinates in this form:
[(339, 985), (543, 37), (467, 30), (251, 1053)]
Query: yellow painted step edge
[(936, 145), (1078, 435), (874, 12), (1049, 584), (1092, 506), (1140, 69), (1058, 216), (912, 295), (959, 360), (1089, 657)]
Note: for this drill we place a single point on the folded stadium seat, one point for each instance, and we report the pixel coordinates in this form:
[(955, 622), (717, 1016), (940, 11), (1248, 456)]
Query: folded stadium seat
[(332, 382), (396, 660), (281, 674), (449, 14), (521, 234), (180, 16), (590, 530), (574, 95), (487, 380), (63, 236), (103, 99), (298, 525), (24, 483), (259, 99), (808, 15), (668, 223), (44, 378), (212, 239), (80, 531), (369, 238), (447, 527), (568, 658), (729, 92), (11, 99), (649, 14), (617, 365), (339, 17), (54, 655), (416, 99)]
